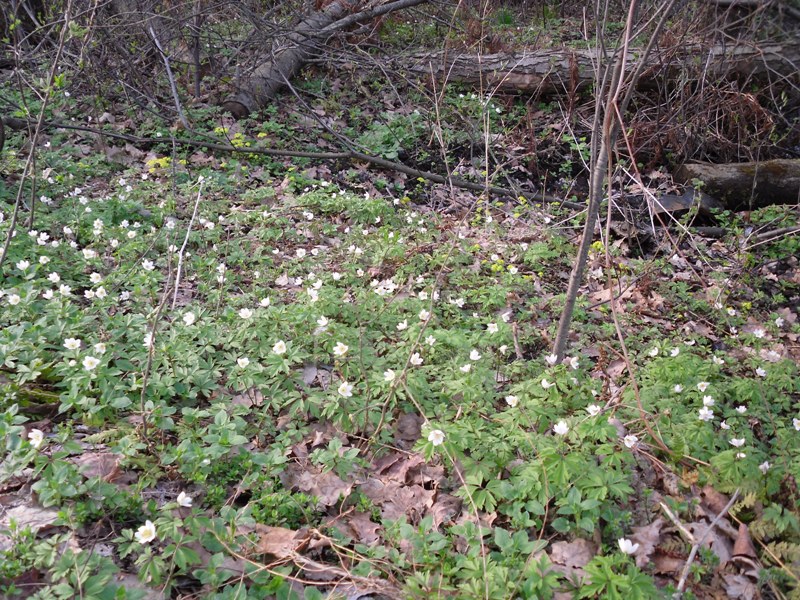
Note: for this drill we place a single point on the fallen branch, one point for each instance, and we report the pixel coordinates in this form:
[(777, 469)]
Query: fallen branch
[(221, 146)]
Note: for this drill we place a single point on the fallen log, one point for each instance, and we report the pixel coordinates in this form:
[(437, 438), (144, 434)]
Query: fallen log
[(744, 186), (566, 70), (298, 47)]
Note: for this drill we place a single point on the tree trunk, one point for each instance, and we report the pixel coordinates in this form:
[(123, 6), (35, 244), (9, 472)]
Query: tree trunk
[(743, 186), (567, 71), (298, 47)]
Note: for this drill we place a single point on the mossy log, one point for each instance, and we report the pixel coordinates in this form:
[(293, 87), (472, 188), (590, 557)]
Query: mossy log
[(744, 186)]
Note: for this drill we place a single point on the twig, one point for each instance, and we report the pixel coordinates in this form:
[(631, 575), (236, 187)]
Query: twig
[(685, 574), (183, 246), (672, 517), (171, 78)]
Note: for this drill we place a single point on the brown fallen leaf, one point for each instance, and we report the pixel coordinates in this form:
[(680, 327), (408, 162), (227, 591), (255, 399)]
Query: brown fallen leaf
[(740, 587), (665, 564), (104, 465), (366, 532), (279, 541), (744, 543), (648, 537), (714, 540), (569, 558)]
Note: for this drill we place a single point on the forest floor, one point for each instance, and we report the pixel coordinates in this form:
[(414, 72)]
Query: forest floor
[(231, 375)]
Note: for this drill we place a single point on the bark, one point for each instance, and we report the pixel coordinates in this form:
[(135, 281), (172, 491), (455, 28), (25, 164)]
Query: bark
[(302, 44), (743, 186), (566, 70)]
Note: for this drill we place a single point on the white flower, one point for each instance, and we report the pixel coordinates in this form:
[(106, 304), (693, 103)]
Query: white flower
[(761, 372), (43, 260), (72, 343), (574, 363), (436, 437), (148, 265), (243, 362), (132, 234), (492, 328), (14, 299), (36, 437), (89, 253), (741, 409), (100, 292), (54, 277), (245, 313), (674, 352), (89, 294), (323, 322), (551, 359), (416, 359), (630, 441), (423, 295), (717, 360), (796, 424), (345, 389), (95, 277), (100, 348), (340, 349), (430, 340), (146, 533), (503, 349), (678, 388), (731, 311), (264, 303), (593, 410), (627, 546), (546, 384), (336, 276), (90, 363), (474, 355), (703, 386), (48, 294), (653, 351), (764, 467), (705, 414), (189, 318), (779, 323), (388, 376), (561, 428), (147, 342), (740, 455), (737, 442), (708, 401), (465, 368), (23, 264), (512, 401), (759, 333), (279, 347), (424, 315), (724, 425), (402, 325)]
